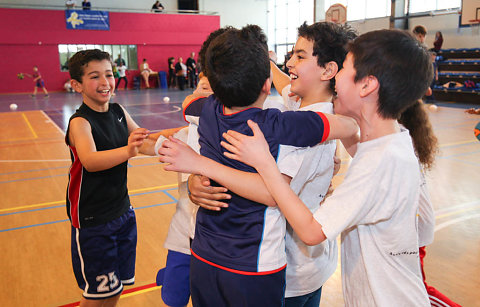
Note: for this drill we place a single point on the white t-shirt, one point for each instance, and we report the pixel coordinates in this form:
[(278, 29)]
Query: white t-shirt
[(182, 225), (426, 215), (375, 210), (121, 71), (311, 169)]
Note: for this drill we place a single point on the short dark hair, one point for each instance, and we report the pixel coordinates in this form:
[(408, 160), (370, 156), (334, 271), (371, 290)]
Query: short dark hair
[(237, 65), (206, 43), (80, 60), (420, 30), (330, 42), (401, 65)]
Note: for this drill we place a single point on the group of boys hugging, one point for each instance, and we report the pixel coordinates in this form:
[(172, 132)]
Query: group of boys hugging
[(256, 164)]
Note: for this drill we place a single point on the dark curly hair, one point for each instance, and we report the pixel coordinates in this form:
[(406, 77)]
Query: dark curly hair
[(80, 60), (330, 42)]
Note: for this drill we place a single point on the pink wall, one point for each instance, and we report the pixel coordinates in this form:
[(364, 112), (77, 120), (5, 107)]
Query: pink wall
[(30, 37)]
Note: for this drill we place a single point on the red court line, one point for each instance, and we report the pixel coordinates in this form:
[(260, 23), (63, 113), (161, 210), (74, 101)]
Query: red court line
[(124, 292)]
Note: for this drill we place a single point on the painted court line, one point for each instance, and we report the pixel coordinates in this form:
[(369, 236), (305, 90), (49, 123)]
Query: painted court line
[(30, 126), (162, 187)]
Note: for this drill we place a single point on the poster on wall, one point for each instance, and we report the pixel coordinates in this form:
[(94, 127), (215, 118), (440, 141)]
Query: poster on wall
[(87, 20)]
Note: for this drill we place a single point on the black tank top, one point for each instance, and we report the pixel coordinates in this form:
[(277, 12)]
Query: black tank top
[(94, 198)]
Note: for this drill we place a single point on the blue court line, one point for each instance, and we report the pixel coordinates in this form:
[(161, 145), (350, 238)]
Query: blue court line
[(462, 161), (462, 154), (170, 195), (67, 220)]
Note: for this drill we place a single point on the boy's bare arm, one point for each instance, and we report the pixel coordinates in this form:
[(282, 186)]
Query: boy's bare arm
[(81, 138), (280, 79), (341, 127)]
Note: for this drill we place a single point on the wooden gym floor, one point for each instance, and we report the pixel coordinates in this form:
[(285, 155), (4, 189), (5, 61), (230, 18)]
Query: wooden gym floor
[(35, 263)]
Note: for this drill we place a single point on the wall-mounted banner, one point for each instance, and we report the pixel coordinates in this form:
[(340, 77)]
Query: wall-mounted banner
[(87, 20)]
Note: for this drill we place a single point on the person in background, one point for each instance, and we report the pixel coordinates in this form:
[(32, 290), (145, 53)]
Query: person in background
[(122, 76), (192, 70), (86, 5), (438, 42), (181, 73), (70, 4), (145, 71), (157, 7), (172, 79), (119, 61), (420, 32)]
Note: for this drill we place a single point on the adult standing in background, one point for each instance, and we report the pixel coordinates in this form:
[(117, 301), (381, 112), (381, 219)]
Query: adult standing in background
[(119, 61), (86, 5), (171, 73), (437, 44), (181, 73), (192, 70), (157, 7)]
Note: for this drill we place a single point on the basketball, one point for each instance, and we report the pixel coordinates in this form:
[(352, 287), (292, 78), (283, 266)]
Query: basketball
[(433, 107), (20, 76), (166, 99), (477, 131), (13, 107)]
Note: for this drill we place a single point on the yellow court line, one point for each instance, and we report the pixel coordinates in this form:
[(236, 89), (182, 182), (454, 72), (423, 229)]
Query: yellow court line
[(456, 212), (457, 143), (63, 201), (29, 126), (140, 292)]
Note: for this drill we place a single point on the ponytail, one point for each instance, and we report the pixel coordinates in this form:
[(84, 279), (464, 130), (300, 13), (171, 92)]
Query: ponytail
[(415, 119)]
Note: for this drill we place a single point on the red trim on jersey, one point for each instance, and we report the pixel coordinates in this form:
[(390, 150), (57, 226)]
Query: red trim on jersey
[(74, 187), (184, 108), (236, 271), (223, 111), (326, 126)]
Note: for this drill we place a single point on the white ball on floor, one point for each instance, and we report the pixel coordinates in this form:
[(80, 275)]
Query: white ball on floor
[(166, 99), (433, 107), (13, 107)]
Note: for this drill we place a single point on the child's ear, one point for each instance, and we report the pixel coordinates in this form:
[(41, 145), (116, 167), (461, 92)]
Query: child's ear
[(369, 85), (267, 86), (77, 86), (331, 69)]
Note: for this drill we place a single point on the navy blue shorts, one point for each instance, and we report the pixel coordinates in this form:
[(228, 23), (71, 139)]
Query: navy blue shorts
[(103, 257), (212, 286), (175, 279)]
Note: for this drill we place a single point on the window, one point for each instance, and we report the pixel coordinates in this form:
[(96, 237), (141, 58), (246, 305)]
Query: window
[(363, 9), (284, 18), (128, 52), (417, 6)]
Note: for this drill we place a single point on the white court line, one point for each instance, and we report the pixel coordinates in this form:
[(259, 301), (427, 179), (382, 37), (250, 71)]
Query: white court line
[(454, 221), (54, 124)]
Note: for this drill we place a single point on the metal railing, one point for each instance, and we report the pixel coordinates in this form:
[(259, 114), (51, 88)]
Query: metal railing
[(109, 9)]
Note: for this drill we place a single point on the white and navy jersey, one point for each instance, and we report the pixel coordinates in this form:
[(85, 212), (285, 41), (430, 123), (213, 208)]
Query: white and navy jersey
[(95, 198), (248, 237)]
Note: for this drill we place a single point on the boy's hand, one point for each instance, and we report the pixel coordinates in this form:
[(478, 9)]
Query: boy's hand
[(135, 140), (251, 150), (179, 157), (206, 196)]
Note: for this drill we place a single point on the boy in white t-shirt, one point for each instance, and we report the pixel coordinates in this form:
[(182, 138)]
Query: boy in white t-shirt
[(375, 208), (122, 75)]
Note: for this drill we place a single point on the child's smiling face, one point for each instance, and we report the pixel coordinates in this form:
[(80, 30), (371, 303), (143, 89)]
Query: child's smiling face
[(305, 74)]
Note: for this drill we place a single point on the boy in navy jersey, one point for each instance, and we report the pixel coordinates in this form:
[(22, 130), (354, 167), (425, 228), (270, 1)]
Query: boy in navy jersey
[(101, 137), (239, 252)]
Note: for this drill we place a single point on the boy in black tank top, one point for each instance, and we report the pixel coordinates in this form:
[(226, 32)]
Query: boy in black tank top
[(101, 137)]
